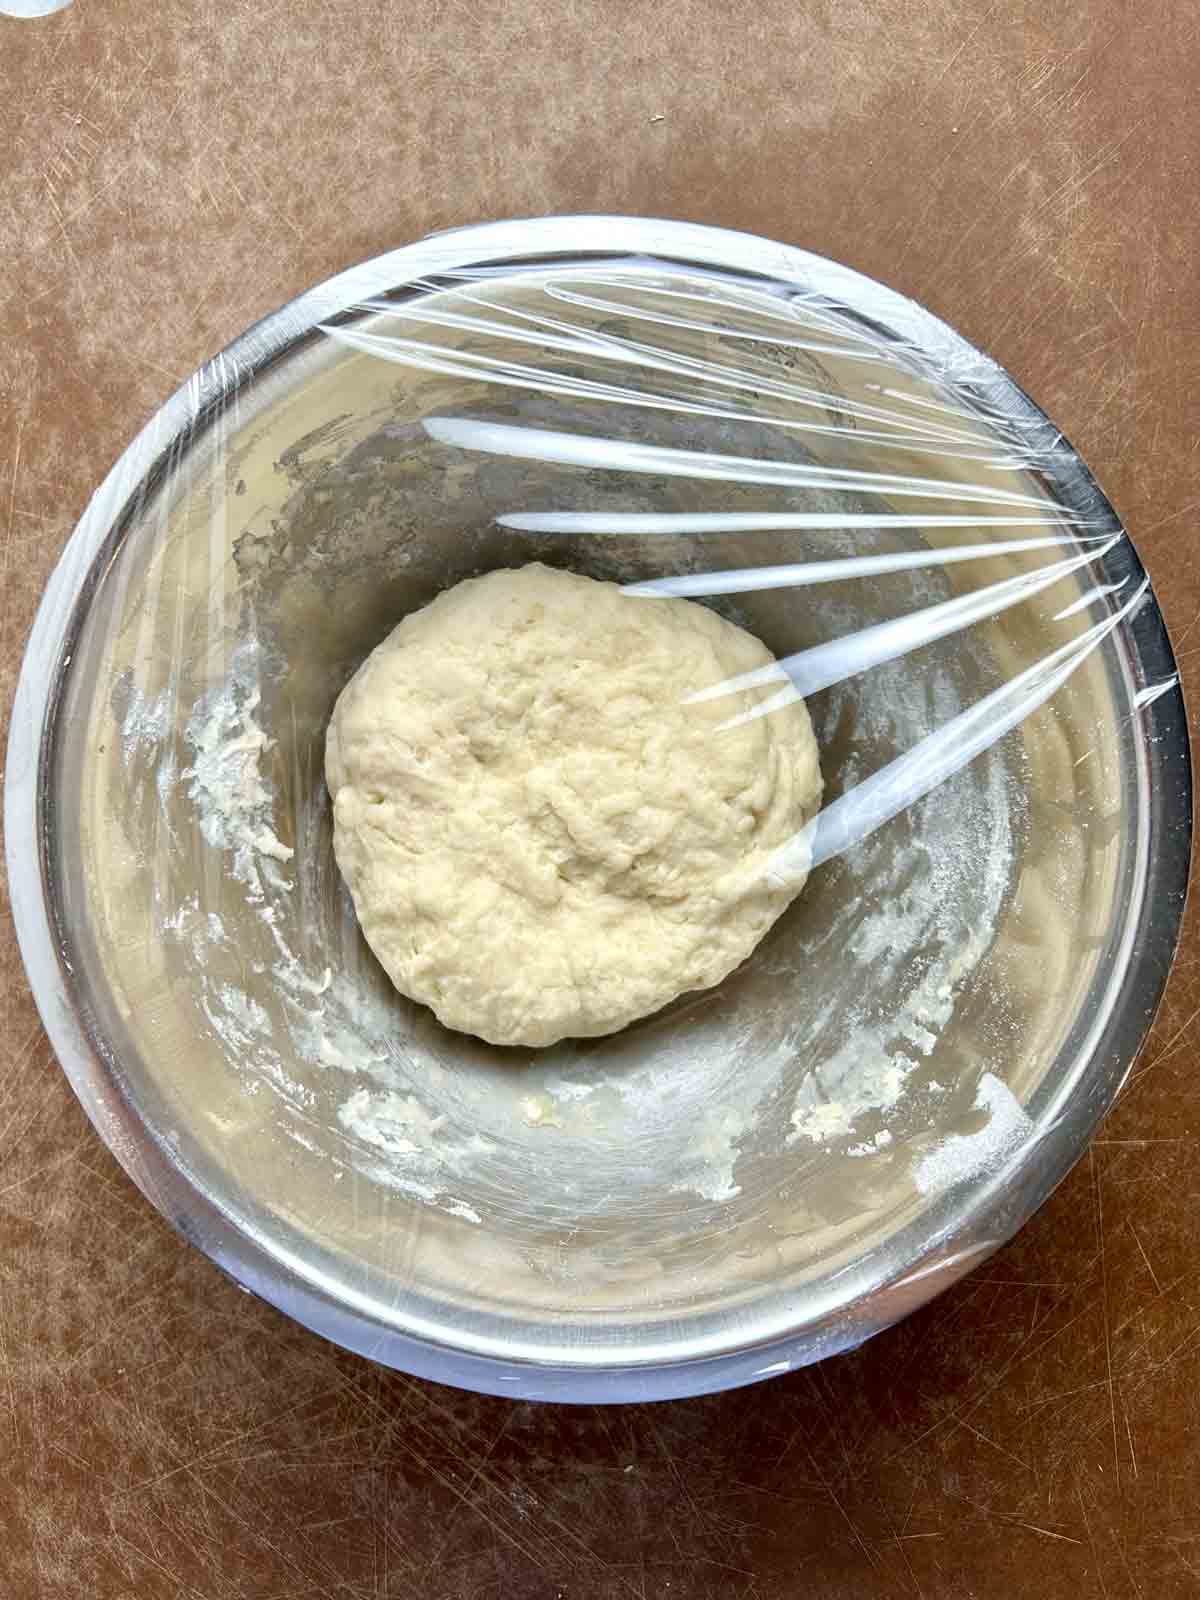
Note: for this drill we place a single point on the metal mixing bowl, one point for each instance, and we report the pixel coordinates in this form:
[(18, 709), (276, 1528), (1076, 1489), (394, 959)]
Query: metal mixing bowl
[(755, 1177)]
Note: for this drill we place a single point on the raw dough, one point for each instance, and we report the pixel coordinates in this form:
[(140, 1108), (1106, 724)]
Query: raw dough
[(542, 841)]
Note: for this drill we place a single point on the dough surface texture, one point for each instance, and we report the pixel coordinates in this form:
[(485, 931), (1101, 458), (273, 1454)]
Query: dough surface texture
[(541, 840)]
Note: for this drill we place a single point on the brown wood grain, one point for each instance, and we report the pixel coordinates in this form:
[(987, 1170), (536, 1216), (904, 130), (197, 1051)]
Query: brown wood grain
[(171, 171)]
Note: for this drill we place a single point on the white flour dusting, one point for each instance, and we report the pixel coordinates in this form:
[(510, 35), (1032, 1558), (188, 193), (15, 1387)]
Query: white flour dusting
[(233, 802), (870, 1070), (969, 1155), (714, 1153), (241, 1022), (145, 721), (397, 1124), (871, 1147)]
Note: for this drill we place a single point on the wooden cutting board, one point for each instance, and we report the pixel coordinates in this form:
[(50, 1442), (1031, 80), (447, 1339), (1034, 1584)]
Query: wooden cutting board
[(171, 171)]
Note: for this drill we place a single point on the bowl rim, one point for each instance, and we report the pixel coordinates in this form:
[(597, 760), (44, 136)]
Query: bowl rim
[(730, 1349)]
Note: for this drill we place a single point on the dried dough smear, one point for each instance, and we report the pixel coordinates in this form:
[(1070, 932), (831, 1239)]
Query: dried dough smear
[(541, 839)]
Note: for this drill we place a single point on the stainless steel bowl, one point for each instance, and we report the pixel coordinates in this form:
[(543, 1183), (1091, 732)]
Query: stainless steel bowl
[(676, 1209)]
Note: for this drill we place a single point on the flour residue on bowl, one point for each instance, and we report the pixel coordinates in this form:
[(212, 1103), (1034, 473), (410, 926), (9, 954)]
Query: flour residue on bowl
[(234, 805), (938, 935), (963, 1157)]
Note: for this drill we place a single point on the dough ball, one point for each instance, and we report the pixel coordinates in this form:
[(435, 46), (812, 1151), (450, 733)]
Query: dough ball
[(542, 841)]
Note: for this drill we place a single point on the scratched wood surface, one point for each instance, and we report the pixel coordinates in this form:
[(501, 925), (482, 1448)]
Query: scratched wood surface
[(171, 171)]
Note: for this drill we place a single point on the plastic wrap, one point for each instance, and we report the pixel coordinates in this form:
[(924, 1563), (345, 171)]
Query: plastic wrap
[(763, 1172)]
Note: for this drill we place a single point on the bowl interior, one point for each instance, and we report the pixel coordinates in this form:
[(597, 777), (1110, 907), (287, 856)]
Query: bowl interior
[(905, 1030)]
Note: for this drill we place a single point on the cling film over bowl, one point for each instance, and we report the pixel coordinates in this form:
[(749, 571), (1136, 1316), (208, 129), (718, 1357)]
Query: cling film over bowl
[(764, 1170)]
